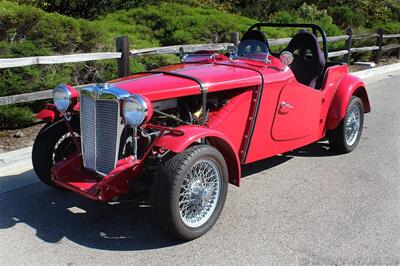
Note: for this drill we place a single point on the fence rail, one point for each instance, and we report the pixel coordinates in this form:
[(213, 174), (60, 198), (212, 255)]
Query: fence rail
[(56, 59), (123, 55)]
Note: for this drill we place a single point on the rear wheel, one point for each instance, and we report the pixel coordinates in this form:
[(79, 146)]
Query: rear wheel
[(53, 144), (346, 136), (190, 191)]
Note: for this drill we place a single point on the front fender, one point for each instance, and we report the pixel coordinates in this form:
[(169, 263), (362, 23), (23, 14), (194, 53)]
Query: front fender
[(49, 113), (192, 134), (349, 86)]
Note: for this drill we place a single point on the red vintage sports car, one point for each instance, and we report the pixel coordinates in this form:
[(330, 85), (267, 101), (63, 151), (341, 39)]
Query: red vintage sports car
[(181, 133)]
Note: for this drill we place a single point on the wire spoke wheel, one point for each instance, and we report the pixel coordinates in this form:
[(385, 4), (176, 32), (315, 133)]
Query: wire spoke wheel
[(64, 147), (54, 143), (199, 193), (352, 124), (189, 192), (345, 137)]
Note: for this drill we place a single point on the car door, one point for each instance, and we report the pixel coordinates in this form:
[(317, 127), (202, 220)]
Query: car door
[(297, 112)]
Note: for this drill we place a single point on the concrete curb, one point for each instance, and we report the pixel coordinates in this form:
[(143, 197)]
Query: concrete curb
[(15, 160), (373, 72), (20, 160), (13, 156)]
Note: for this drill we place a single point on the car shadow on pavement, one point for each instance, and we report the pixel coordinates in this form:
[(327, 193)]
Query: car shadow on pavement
[(57, 214), (263, 165), (317, 149)]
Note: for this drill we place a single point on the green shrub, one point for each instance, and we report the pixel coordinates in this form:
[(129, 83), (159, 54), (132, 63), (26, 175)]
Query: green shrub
[(169, 24), (307, 14), (285, 17), (14, 117), (388, 27), (94, 9), (344, 16)]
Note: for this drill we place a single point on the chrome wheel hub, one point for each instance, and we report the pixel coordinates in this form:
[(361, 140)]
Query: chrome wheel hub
[(352, 125), (199, 193)]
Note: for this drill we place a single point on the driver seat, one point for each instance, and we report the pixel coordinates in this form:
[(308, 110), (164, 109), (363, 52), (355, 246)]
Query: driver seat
[(255, 35), (307, 70)]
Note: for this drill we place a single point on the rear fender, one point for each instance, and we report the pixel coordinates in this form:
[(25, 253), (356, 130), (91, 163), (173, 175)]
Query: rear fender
[(193, 134), (349, 86)]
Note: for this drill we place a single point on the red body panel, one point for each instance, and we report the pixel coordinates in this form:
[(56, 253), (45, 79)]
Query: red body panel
[(279, 131), (333, 77), (214, 77), (71, 174), (192, 134), (301, 102), (47, 115), (277, 116)]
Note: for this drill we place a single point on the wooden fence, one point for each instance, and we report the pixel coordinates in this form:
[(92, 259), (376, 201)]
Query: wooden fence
[(123, 54)]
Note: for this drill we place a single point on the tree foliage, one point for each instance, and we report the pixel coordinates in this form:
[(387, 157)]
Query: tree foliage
[(344, 16)]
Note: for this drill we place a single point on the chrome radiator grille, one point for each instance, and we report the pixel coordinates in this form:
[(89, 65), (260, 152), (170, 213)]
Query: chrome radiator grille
[(88, 133), (107, 118), (100, 122)]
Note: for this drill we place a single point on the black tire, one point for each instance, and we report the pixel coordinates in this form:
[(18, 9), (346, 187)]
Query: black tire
[(337, 137), (167, 186), (48, 149)]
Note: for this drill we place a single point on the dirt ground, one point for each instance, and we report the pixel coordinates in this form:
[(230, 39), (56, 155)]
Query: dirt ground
[(18, 138)]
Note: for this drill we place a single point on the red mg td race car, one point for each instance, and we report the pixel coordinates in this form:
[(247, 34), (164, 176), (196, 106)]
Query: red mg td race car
[(181, 133)]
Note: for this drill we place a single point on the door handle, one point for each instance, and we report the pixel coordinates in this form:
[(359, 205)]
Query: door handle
[(286, 105)]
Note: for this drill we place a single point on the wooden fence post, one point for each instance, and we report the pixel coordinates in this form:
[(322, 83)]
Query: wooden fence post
[(347, 46), (122, 45), (235, 38), (379, 42)]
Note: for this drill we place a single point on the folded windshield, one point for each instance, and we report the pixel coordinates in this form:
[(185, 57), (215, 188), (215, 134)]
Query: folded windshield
[(253, 49)]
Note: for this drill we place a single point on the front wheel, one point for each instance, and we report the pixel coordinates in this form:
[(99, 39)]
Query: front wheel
[(189, 192), (346, 136), (54, 143)]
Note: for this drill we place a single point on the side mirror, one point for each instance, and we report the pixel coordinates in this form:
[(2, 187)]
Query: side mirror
[(286, 58)]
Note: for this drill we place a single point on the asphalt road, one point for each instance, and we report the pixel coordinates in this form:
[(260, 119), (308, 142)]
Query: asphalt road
[(307, 207)]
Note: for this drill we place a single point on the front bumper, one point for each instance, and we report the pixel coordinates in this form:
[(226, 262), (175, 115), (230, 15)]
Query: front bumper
[(71, 175)]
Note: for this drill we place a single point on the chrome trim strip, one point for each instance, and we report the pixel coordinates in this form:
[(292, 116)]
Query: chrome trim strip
[(133, 78), (113, 93)]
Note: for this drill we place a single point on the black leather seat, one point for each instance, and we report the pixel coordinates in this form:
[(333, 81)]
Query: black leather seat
[(255, 35), (306, 69)]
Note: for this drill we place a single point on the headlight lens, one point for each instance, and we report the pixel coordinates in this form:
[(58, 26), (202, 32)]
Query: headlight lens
[(134, 110), (62, 97)]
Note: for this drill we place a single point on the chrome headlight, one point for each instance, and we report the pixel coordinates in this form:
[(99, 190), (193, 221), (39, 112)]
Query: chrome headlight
[(62, 97), (135, 110)]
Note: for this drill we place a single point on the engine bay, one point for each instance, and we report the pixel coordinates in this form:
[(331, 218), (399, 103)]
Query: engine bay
[(172, 113)]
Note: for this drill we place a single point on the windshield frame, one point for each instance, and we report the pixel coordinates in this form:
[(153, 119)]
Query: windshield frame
[(253, 44)]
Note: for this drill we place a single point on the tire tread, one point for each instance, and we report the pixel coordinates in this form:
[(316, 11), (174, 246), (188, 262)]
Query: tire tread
[(336, 136), (166, 181)]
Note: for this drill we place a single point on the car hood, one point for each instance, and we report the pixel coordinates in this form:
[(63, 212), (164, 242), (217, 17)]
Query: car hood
[(214, 77)]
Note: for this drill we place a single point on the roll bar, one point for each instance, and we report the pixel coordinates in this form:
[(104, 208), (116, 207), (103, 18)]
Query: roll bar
[(315, 29)]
